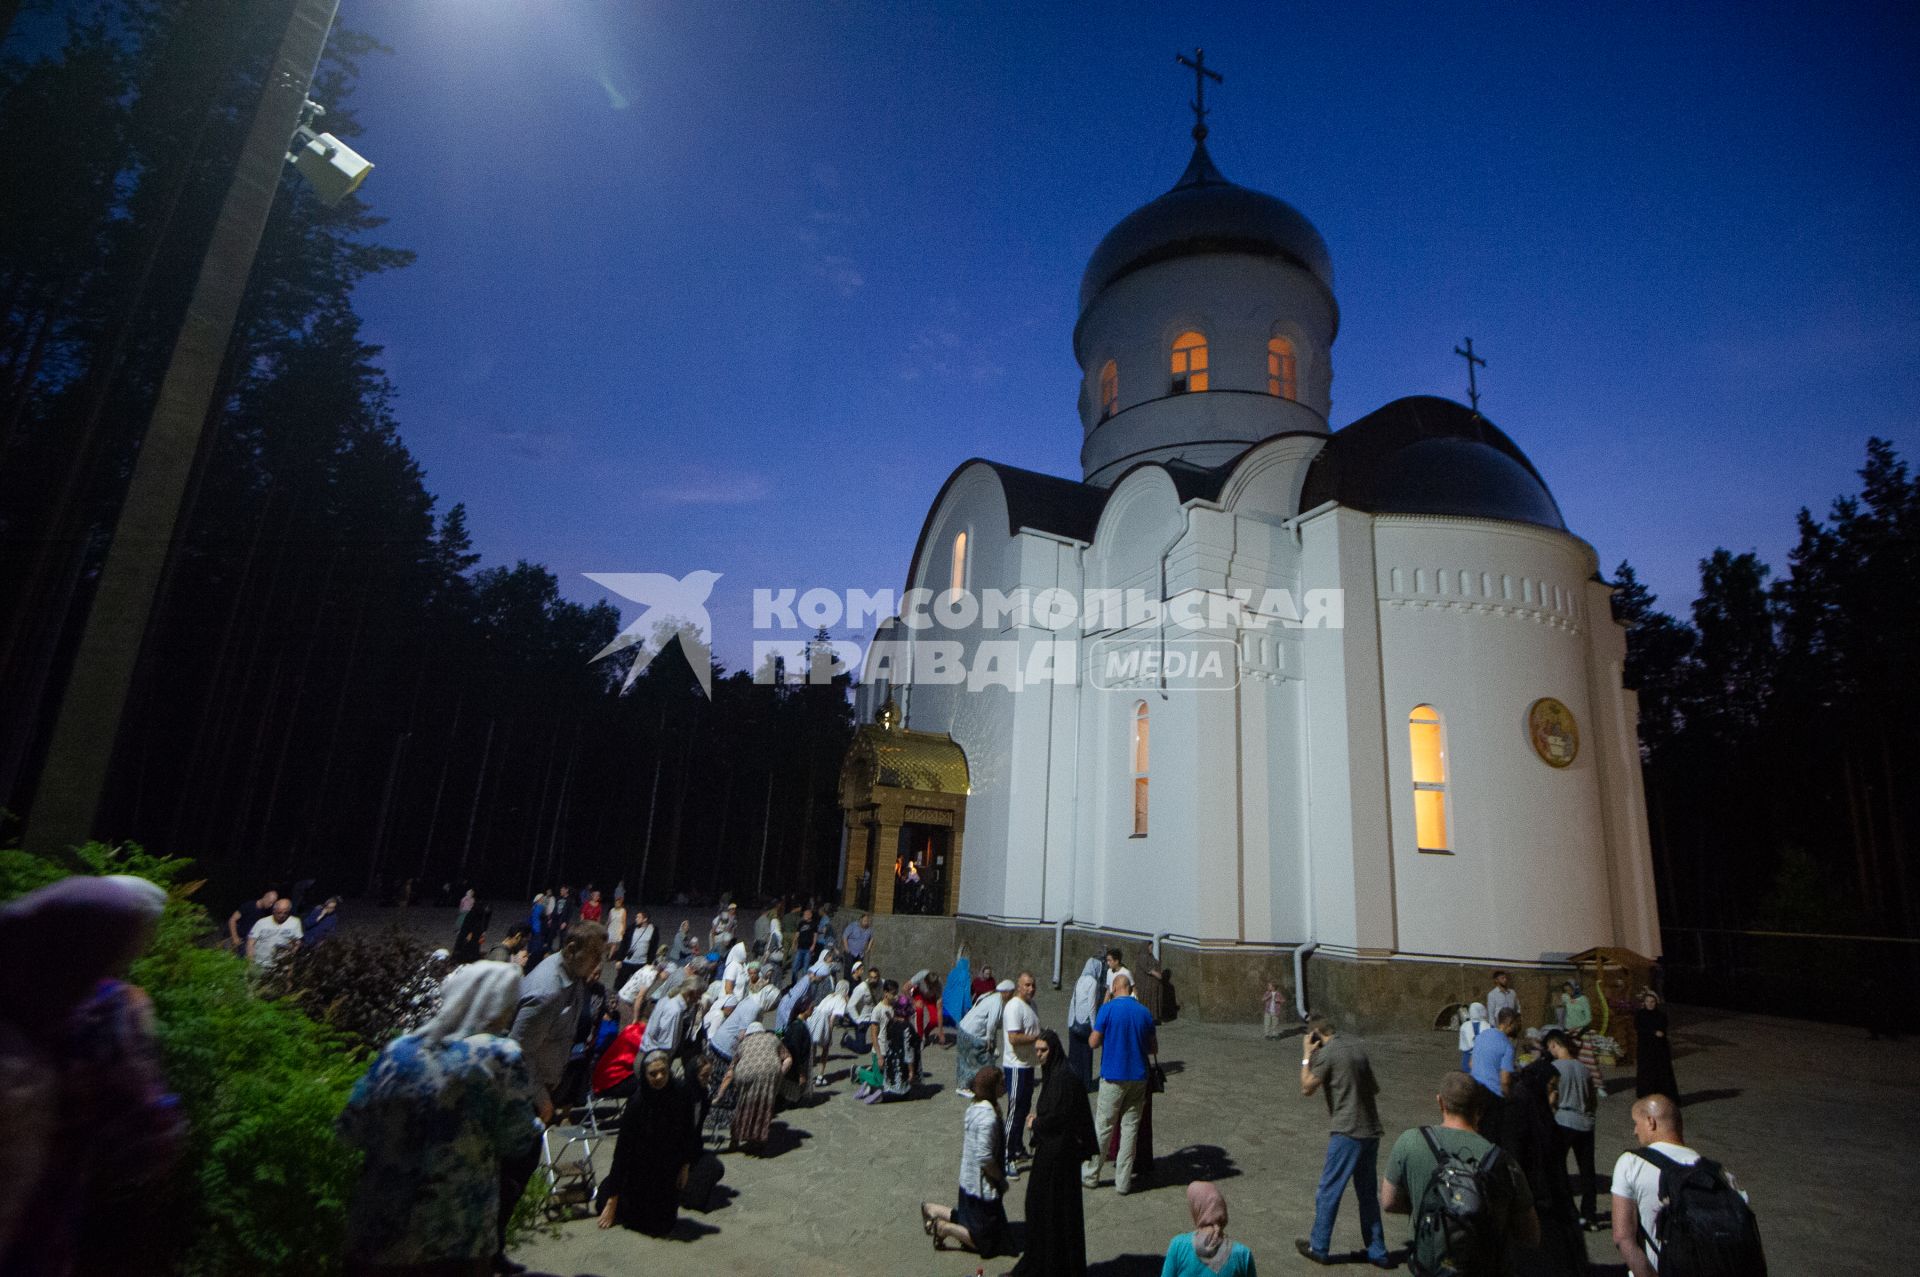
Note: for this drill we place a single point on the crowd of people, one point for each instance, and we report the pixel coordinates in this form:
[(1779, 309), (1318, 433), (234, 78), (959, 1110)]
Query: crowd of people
[(1487, 1185), (693, 1042)]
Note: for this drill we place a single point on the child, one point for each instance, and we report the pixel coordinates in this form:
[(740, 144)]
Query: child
[(1270, 1011), (1471, 1028)]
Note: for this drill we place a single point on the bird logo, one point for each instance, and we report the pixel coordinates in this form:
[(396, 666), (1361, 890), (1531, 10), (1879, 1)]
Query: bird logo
[(672, 610)]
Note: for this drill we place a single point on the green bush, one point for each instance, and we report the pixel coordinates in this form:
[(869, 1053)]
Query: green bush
[(368, 988), (263, 1185)]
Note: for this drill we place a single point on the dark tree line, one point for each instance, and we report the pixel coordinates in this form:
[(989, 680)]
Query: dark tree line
[(1780, 728), (332, 686)]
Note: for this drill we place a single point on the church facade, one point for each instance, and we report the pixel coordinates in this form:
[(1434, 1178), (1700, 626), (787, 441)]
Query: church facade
[(1420, 763)]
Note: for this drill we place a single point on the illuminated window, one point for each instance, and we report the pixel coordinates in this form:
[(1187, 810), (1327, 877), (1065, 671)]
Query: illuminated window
[(1281, 378), (1189, 363), (1429, 743), (1109, 389), (1140, 770), (960, 562)]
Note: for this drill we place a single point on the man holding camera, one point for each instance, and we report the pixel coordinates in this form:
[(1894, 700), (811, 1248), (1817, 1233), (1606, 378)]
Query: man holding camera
[(1338, 1067)]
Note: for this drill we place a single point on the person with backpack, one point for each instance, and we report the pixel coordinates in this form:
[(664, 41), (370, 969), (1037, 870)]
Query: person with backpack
[(1676, 1212), (1469, 1201)]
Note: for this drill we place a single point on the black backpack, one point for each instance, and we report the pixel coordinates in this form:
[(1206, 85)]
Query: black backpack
[(1460, 1230), (1705, 1228)]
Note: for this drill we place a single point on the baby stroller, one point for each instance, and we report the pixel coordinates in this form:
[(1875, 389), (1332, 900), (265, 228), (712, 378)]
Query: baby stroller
[(566, 1159)]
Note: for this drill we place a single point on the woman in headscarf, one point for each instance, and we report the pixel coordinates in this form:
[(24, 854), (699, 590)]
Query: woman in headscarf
[(734, 975), (979, 1221), (683, 944), (956, 996), (436, 1113), (1063, 1138), (1470, 1028), (1088, 991), (1530, 1137), (820, 1027), (759, 1062), (659, 1141), (78, 1058), (797, 1086), (1653, 1050), (1207, 1250)]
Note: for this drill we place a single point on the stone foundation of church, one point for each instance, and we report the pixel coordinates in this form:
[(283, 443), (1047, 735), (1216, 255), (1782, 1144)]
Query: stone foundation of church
[(1220, 983)]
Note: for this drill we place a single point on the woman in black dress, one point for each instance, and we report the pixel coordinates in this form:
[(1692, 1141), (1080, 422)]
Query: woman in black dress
[(1529, 1136), (1653, 1050), (1063, 1138), (659, 1141)]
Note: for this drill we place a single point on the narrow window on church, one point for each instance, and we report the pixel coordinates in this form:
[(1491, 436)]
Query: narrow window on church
[(1109, 389), (1429, 779), (1140, 770), (1189, 363), (1281, 379), (960, 562)]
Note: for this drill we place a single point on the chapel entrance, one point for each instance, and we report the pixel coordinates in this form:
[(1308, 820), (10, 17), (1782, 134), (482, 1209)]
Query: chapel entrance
[(904, 797)]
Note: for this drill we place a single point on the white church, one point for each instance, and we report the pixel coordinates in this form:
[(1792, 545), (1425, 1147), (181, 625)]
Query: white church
[(1437, 776)]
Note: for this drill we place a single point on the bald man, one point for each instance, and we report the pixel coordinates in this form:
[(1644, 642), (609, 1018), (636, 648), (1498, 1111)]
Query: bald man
[(1636, 1182), (1123, 1033)]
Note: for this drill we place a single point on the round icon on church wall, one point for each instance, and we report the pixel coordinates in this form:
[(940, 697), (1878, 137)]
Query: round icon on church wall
[(1555, 736)]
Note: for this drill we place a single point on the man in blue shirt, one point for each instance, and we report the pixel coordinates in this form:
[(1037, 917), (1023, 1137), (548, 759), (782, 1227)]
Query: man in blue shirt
[(1492, 1054), (1493, 1068), (1123, 1031)]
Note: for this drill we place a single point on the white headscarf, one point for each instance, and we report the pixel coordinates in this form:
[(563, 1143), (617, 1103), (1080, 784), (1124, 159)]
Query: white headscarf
[(1473, 1025), (1086, 995), (474, 999)]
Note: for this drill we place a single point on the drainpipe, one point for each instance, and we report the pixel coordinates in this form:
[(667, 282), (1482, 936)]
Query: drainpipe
[(1158, 936), (1300, 953), (1059, 944)]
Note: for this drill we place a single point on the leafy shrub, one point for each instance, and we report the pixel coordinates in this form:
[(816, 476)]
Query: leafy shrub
[(264, 1183), (370, 989)]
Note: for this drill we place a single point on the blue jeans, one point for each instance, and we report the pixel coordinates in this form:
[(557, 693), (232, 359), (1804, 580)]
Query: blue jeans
[(1350, 1159)]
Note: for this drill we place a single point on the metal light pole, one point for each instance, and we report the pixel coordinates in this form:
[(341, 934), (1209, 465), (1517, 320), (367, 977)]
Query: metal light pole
[(74, 777)]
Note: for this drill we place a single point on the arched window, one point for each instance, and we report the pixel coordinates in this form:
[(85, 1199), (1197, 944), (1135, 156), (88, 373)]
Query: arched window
[(1428, 739), (959, 562), (1282, 379), (1109, 389), (1140, 770), (1189, 363)]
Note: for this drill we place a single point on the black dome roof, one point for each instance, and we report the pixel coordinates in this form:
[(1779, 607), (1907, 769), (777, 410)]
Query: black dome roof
[(1205, 213), (1427, 455)]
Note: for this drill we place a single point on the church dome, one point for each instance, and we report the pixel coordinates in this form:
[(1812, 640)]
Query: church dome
[(1205, 213), (1427, 455)]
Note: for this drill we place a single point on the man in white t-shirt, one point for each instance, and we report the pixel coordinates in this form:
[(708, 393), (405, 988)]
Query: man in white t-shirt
[(1115, 969), (1019, 1030), (1501, 997), (273, 933), (1636, 1182)]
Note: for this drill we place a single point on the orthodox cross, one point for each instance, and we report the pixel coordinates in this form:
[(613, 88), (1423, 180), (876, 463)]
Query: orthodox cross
[(1201, 74), (1473, 386)]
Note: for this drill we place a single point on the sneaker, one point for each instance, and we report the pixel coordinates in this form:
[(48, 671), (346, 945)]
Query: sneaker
[(1013, 1171), (1306, 1249), (964, 1093)]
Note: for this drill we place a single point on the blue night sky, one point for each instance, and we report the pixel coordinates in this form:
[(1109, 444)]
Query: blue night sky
[(736, 286)]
